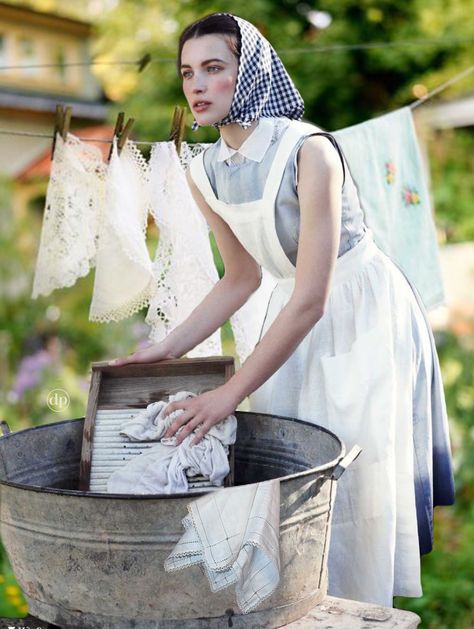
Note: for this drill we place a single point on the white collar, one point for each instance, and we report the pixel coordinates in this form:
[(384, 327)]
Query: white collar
[(255, 146)]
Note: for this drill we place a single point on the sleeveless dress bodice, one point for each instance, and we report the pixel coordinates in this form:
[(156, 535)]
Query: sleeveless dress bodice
[(243, 180)]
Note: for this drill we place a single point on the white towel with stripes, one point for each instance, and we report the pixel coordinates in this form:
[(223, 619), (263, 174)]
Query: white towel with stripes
[(234, 534)]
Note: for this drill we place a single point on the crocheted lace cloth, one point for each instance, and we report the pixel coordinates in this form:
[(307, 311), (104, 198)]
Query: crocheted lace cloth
[(96, 215), (74, 197), (183, 269)]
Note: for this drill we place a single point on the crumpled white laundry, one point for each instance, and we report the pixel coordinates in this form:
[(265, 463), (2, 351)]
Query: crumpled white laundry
[(165, 468), (235, 534), (123, 278), (75, 195), (150, 424), (183, 252)]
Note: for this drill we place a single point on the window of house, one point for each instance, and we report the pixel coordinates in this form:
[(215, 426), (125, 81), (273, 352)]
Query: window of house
[(27, 54)]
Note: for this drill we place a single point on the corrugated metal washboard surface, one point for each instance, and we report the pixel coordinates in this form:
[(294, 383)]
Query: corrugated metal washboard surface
[(113, 450)]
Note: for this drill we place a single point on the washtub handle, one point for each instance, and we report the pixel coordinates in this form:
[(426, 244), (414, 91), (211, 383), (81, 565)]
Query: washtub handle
[(344, 463), (4, 428)]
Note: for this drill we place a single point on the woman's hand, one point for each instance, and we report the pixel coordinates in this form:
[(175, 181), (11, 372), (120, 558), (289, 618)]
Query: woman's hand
[(205, 411), (151, 354)]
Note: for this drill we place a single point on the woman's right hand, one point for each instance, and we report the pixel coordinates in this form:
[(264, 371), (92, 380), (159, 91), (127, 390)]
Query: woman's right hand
[(151, 354)]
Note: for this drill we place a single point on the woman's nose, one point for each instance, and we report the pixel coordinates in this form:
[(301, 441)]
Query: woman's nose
[(199, 85)]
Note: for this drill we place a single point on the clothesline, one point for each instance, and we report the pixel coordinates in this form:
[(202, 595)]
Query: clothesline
[(146, 59), (417, 103)]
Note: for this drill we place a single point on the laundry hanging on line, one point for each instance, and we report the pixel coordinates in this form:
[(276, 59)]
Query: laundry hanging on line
[(385, 162), (96, 214)]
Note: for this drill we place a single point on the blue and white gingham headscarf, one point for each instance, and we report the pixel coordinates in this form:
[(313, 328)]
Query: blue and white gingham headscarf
[(264, 88)]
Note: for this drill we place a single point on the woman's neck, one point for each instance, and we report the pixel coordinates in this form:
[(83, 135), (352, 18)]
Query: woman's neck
[(234, 135)]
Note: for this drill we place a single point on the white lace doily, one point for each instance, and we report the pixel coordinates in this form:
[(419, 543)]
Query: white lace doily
[(74, 197)]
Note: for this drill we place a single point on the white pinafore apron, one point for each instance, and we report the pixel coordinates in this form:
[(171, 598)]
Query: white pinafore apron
[(353, 374)]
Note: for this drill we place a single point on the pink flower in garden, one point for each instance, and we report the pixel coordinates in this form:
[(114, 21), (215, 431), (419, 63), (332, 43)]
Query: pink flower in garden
[(30, 372)]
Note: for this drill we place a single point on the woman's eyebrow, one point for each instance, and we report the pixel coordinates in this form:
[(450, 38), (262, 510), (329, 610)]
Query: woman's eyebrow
[(186, 65)]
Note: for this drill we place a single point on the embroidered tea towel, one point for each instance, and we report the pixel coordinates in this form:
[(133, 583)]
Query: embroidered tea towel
[(384, 160)]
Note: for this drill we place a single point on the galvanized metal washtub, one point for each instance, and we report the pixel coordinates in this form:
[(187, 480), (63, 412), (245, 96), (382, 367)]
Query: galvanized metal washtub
[(95, 561)]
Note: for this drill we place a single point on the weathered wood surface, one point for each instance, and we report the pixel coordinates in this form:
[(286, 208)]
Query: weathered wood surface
[(330, 614)]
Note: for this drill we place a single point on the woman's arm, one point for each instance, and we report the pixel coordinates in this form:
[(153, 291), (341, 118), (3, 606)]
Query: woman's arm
[(319, 191), (241, 278)]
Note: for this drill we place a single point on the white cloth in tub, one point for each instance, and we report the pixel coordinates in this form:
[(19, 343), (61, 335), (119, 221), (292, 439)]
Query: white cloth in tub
[(234, 533), (165, 468)]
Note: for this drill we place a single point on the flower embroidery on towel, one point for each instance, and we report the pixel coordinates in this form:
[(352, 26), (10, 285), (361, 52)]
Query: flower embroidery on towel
[(389, 172), (410, 196)]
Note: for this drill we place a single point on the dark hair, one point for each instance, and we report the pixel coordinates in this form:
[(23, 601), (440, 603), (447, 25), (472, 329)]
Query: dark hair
[(213, 24)]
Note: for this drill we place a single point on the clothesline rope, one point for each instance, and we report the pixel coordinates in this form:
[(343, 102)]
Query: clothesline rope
[(443, 86), (330, 48), (420, 101)]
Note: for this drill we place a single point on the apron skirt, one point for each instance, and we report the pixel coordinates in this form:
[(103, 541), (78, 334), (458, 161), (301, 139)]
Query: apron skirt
[(353, 374)]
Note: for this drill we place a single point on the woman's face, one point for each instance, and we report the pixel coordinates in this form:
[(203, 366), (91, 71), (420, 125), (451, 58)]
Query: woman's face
[(209, 70)]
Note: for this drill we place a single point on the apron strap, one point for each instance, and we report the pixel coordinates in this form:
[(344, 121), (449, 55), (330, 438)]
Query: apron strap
[(200, 178)]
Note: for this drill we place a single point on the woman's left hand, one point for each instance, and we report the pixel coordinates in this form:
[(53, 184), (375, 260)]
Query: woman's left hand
[(205, 410)]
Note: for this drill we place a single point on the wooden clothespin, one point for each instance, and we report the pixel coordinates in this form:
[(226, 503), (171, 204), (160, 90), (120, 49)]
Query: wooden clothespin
[(121, 132), (62, 122), (177, 127), (143, 62)]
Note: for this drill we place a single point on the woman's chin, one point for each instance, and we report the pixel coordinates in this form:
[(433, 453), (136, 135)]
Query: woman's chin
[(206, 121)]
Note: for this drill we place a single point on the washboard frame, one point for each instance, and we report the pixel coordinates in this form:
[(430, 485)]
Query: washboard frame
[(131, 388)]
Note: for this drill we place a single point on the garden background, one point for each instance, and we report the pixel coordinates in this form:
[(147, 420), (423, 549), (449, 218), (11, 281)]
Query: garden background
[(49, 343)]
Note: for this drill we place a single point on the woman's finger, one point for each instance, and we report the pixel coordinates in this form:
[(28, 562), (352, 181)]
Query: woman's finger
[(135, 357), (178, 422), (123, 360), (187, 430), (201, 433), (176, 406)]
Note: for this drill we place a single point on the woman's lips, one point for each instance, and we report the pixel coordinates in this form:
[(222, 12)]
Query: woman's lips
[(201, 106)]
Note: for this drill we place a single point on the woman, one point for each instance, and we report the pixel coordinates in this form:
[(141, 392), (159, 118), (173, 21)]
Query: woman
[(344, 343)]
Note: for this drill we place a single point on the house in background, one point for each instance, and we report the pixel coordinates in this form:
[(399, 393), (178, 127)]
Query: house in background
[(28, 95), (35, 48)]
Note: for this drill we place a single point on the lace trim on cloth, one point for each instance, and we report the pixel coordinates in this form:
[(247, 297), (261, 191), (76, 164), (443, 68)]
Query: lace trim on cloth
[(123, 278), (183, 269), (75, 194), (189, 151)]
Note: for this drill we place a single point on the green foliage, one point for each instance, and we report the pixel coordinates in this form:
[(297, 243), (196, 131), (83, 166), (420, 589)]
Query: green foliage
[(452, 171), (339, 87)]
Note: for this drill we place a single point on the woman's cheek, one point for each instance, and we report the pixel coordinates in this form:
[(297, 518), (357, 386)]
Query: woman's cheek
[(225, 85)]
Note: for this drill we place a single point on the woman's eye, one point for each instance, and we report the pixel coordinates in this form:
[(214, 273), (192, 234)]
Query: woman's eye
[(213, 68), (186, 75)]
